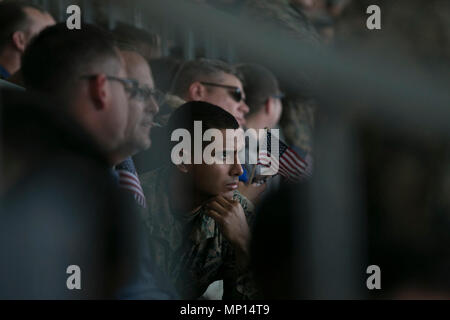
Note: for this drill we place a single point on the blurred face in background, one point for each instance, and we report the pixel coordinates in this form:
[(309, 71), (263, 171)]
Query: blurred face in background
[(38, 21), (277, 108)]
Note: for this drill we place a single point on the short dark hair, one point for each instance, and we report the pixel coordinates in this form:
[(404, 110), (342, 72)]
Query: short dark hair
[(57, 57), (128, 35), (211, 116), (259, 84), (199, 70), (13, 18)]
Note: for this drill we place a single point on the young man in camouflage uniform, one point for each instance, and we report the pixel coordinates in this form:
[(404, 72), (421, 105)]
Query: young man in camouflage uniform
[(209, 80), (198, 224)]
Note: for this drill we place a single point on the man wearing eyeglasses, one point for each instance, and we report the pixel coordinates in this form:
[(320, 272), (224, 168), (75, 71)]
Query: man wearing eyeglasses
[(84, 72), (143, 104)]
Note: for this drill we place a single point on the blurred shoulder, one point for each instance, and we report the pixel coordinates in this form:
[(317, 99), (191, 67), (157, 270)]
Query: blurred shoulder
[(154, 185), (153, 177)]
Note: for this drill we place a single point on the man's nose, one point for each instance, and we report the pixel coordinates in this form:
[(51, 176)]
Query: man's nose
[(244, 108), (236, 169), (152, 106)]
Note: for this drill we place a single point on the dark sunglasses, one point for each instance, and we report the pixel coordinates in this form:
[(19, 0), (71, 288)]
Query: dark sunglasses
[(235, 92)]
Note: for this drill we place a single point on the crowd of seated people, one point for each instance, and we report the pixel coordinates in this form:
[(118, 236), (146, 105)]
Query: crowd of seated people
[(88, 118), (194, 220)]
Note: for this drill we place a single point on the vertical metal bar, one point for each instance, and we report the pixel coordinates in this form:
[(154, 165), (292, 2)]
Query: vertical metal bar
[(231, 53), (207, 44), (1, 154), (212, 50), (336, 227), (137, 13), (164, 28), (202, 41), (129, 19), (189, 45), (86, 11), (61, 10), (45, 5), (111, 16), (215, 46)]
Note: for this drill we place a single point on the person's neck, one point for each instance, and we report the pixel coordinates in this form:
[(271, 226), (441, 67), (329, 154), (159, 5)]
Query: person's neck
[(10, 61), (80, 114), (115, 158), (184, 200), (256, 122), (123, 154)]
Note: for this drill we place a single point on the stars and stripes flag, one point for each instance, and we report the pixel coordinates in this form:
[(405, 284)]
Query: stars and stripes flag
[(290, 164), (129, 180)]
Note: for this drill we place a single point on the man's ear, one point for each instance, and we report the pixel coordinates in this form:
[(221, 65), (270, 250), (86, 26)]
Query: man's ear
[(196, 91), (98, 91), (19, 40)]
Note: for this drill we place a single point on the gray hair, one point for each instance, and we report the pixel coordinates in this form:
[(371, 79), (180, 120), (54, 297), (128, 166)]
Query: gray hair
[(199, 70)]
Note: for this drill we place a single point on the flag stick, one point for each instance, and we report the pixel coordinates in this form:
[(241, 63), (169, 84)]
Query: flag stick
[(252, 175)]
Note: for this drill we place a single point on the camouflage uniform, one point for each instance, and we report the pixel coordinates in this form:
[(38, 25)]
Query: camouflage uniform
[(188, 247), (297, 122)]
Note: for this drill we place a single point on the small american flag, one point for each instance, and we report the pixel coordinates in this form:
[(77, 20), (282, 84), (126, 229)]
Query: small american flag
[(290, 164), (129, 180)]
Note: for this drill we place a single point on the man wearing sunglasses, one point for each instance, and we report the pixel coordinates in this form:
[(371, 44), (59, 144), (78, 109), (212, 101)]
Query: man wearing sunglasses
[(207, 80), (212, 81), (86, 75)]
